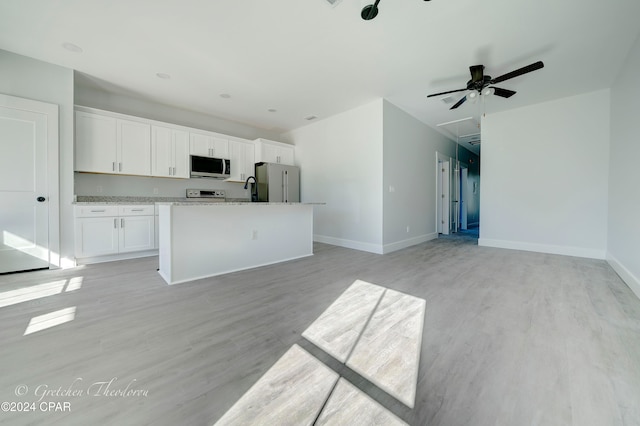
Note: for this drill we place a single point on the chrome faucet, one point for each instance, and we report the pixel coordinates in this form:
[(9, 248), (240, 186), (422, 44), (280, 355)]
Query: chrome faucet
[(254, 188)]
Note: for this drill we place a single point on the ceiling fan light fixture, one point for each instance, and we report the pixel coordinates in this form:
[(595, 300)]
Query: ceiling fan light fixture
[(472, 95), (488, 91)]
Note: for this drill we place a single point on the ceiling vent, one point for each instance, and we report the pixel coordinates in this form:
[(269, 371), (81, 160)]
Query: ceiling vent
[(333, 3), (474, 142), (310, 117)]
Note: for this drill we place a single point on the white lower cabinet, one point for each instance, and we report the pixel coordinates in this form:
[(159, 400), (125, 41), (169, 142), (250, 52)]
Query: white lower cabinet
[(112, 229), (96, 236)]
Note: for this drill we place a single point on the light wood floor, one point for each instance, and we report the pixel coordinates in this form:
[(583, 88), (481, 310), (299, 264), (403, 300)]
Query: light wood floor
[(510, 338)]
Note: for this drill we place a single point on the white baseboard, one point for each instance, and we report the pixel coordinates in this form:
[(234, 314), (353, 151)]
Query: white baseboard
[(627, 276), (356, 245), (119, 256), (375, 248), (544, 248), (399, 245)]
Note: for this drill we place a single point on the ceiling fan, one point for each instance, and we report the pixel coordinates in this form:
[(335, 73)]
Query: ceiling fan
[(479, 83)]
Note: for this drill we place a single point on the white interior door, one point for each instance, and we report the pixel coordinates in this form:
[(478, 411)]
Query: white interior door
[(464, 190), (24, 195), (444, 197)]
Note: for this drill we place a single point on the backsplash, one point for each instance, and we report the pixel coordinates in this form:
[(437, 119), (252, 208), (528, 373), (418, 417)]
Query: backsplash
[(89, 184)]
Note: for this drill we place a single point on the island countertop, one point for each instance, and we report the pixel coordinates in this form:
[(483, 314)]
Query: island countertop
[(234, 203), (182, 201)]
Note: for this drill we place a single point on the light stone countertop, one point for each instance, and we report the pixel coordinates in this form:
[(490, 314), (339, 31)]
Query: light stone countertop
[(176, 201), (234, 203)]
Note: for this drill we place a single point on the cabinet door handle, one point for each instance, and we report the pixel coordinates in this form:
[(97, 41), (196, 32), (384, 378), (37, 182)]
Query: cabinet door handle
[(97, 211), (169, 171), (122, 223), (174, 171), (115, 223), (137, 210), (113, 166), (119, 167)]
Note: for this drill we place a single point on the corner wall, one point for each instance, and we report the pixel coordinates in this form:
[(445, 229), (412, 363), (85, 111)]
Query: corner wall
[(409, 182), (341, 165), (623, 250), (545, 172), (33, 79)]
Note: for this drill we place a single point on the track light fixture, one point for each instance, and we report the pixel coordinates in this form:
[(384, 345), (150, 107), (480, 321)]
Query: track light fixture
[(371, 11)]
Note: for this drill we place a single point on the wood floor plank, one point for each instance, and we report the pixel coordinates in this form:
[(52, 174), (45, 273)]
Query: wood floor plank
[(510, 337)]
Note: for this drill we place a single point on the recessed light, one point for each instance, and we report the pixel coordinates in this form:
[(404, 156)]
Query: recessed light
[(310, 117), (225, 95), (163, 75), (72, 47), (272, 110)]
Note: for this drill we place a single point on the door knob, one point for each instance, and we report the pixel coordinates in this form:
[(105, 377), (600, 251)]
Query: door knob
[(41, 199)]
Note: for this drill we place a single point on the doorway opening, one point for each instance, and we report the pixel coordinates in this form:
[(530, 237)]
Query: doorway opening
[(457, 197)]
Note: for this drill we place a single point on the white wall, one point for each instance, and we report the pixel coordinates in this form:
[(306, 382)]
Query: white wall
[(545, 172), (409, 182), (341, 165), (623, 251), (32, 79), (95, 98)]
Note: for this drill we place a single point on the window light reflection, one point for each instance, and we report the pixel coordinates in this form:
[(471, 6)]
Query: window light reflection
[(42, 322)]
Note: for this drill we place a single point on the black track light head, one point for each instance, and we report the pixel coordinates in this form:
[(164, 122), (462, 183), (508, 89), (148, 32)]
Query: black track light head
[(369, 12)]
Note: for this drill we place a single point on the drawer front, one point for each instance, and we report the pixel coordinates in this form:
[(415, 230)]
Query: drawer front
[(139, 210), (96, 211)]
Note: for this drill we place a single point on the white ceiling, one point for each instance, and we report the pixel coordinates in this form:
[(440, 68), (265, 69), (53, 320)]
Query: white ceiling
[(305, 57)]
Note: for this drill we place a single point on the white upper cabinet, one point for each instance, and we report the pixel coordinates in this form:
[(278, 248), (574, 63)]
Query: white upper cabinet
[(207, 145), (112, 145), (242, 156), (95, 143), (134, 145), (109, 142), (274, 152), (169, 152)]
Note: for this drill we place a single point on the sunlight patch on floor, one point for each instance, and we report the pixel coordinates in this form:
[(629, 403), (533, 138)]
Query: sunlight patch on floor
[(375, 331), (34, 292), (42, 322)]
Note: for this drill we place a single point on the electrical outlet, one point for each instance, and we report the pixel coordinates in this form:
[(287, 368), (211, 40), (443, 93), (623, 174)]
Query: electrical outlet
[(392, 188), (99, 189), (155, 191), (254, 234), (408, 229)]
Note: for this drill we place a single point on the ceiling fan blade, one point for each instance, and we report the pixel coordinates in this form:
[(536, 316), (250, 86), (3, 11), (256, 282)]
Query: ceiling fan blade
[(505, 93), (444, 93), (460, 102), (518, 72), (477, 73)]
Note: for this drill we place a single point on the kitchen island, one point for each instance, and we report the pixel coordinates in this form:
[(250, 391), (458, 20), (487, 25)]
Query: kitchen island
[(204, 239)]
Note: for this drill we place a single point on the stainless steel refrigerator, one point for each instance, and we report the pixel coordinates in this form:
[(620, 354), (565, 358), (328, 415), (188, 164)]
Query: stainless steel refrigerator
[(278, 182)]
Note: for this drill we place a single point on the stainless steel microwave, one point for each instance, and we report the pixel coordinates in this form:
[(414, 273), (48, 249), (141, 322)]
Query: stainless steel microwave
[(217, 168)]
